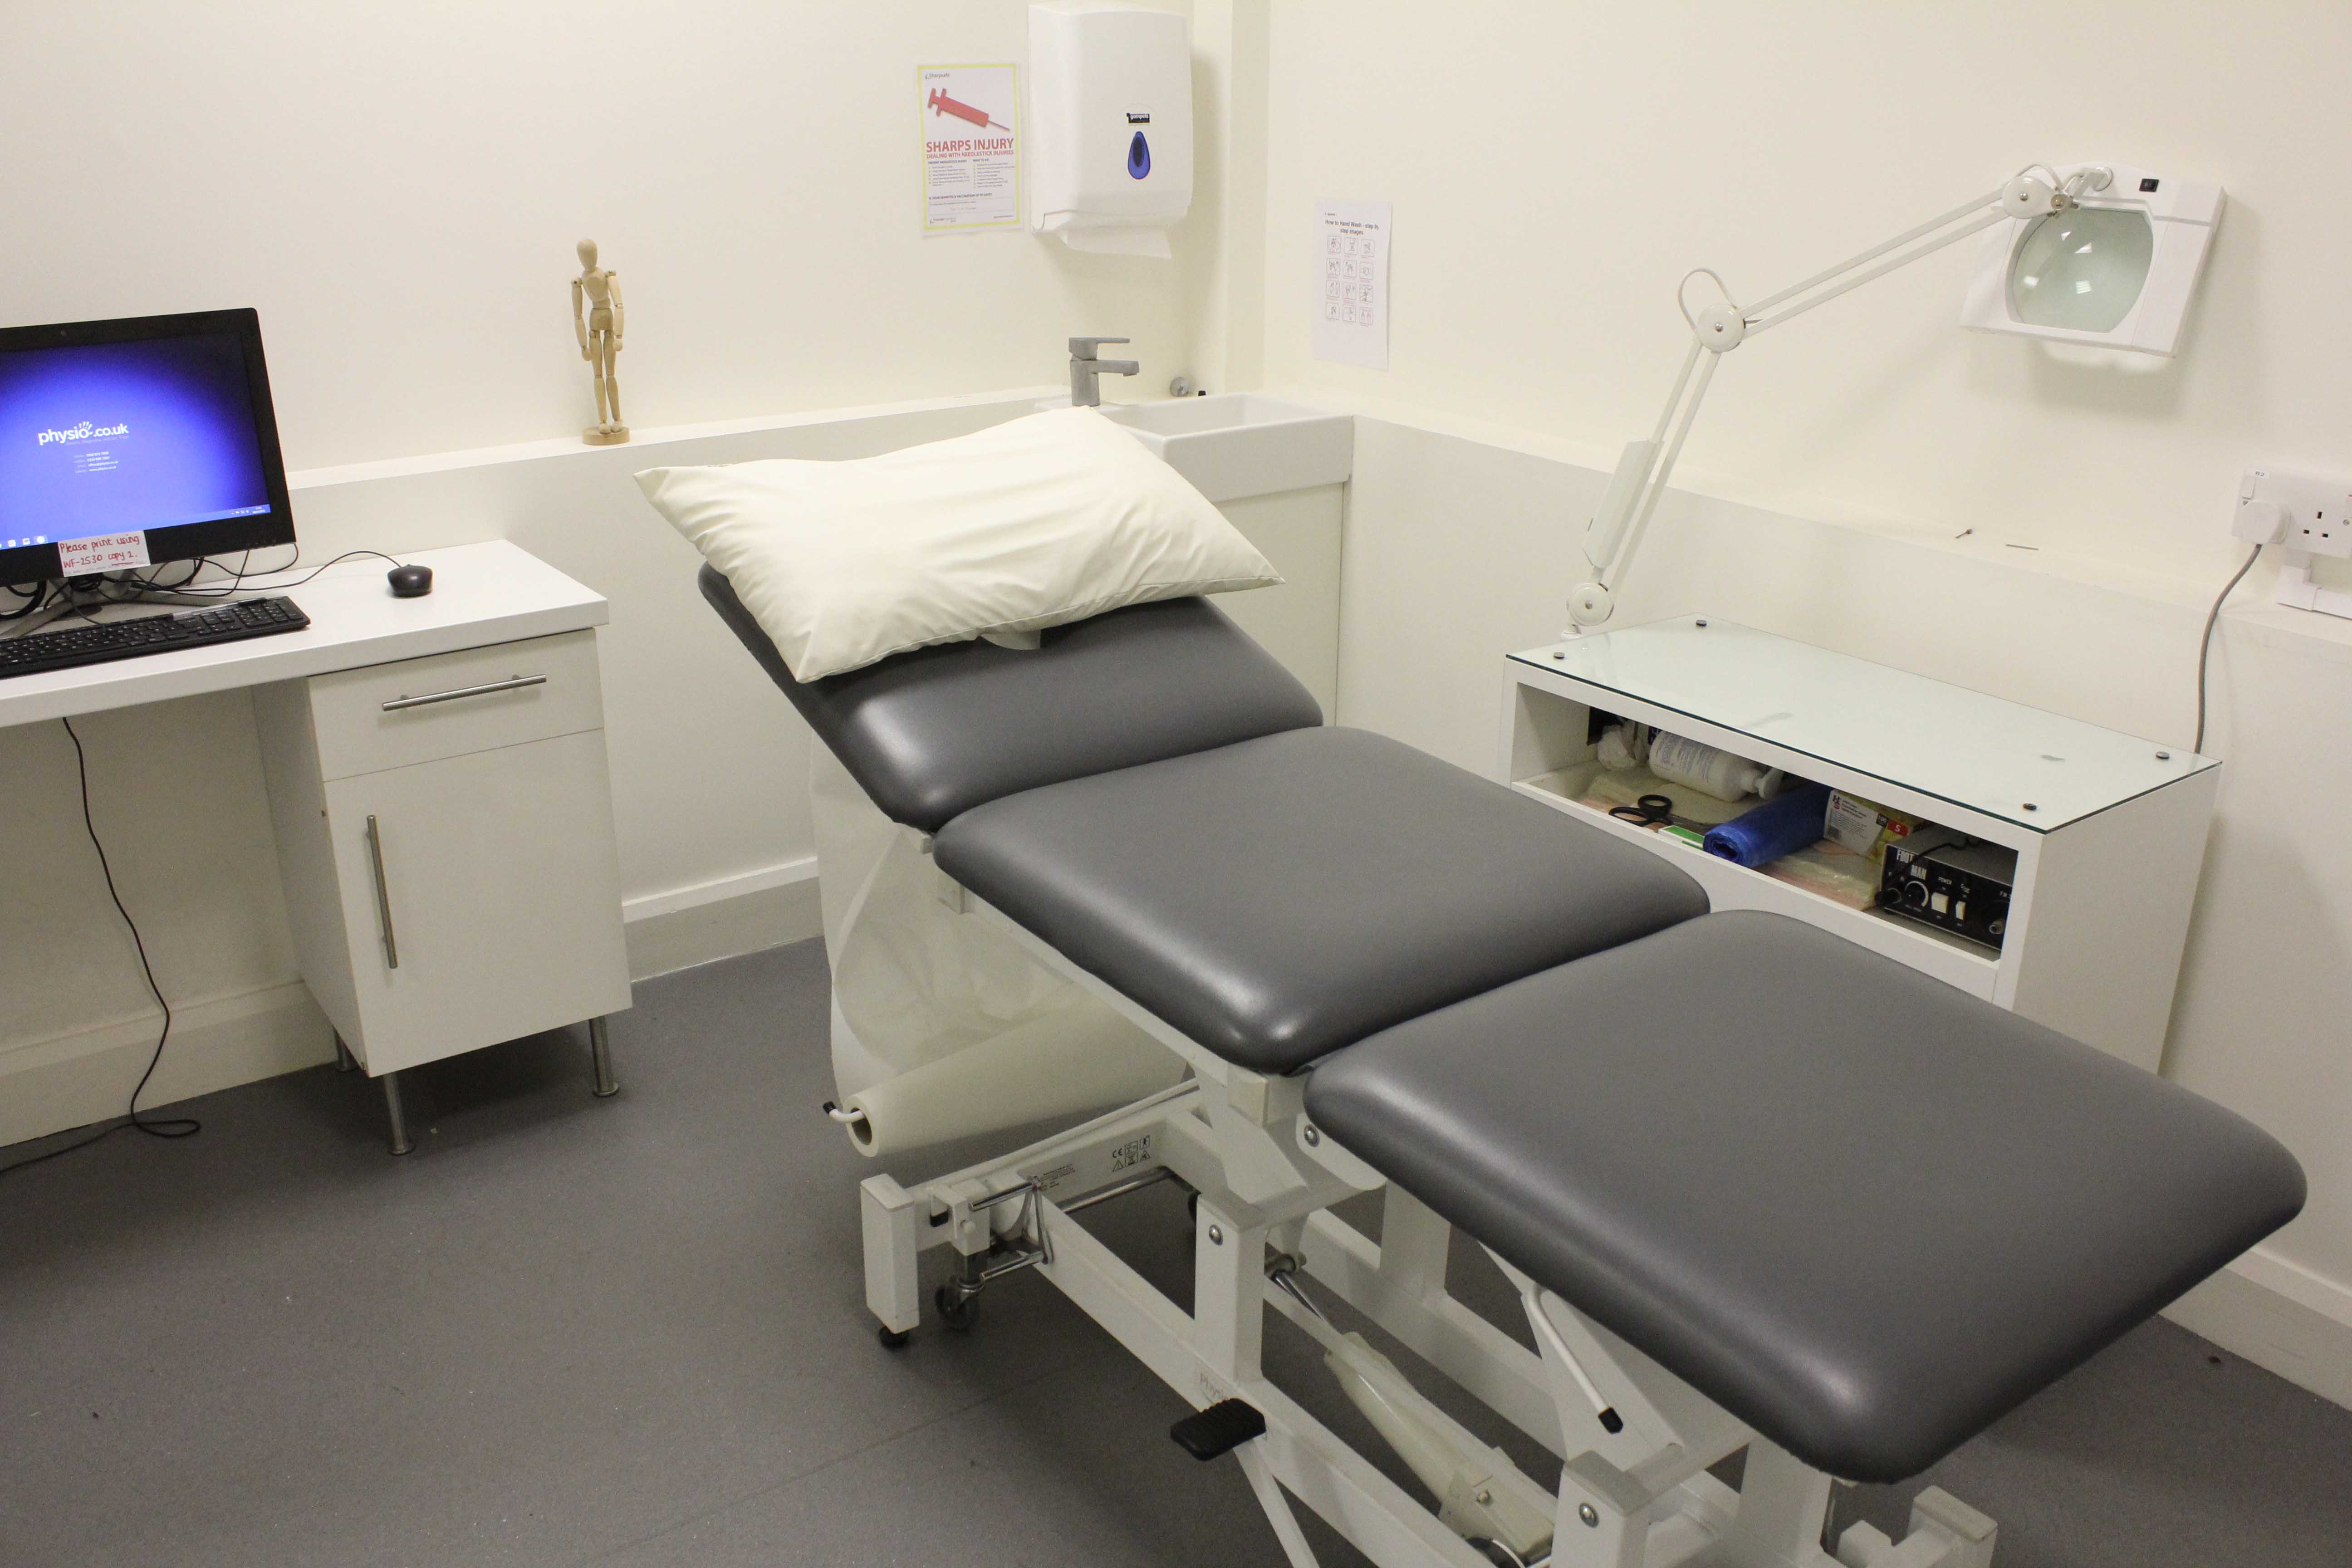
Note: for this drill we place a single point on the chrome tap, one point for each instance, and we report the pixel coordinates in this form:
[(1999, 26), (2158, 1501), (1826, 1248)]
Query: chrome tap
[(1084, 368)]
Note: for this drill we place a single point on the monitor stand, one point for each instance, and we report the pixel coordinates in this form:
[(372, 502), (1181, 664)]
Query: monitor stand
[(90, 599)]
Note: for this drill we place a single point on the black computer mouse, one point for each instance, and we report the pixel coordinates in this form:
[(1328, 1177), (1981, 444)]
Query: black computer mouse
[(410, 582)]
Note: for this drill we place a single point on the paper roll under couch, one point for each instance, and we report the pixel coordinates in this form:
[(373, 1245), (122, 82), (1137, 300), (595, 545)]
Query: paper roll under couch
[(1755, 1186)]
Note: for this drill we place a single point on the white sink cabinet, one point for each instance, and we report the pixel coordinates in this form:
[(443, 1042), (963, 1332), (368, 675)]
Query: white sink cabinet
[(1278, 471)]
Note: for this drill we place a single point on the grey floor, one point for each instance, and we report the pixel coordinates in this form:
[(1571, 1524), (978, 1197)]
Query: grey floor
[(631, 1331)]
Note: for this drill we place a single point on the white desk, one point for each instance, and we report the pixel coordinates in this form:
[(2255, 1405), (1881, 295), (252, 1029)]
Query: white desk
[(449, 867), (481, 594)]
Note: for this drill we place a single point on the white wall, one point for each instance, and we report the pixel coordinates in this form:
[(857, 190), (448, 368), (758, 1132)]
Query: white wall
[(1555, 169), (1225, 272), (398, 189), (709, 778)]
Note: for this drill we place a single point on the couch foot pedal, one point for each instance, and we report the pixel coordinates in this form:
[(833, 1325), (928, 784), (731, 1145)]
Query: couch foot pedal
[(1218, 1430)]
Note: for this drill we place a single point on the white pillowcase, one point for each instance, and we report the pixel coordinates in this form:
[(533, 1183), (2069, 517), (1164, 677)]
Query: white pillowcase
[(1024, 525)]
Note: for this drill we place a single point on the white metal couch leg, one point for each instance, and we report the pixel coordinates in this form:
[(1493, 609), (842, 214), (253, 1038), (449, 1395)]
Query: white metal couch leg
[(1277, 1506), (1415, 1242), (1782, 1502), (890, 1216), (1945, 1533), (1228, 1295), (1970, 1535), (1604, 1517)]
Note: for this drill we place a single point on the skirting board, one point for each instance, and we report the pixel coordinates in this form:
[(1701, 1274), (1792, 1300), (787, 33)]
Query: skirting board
[(73, 1079), (748, 912), (70, 1080), (2255, 1311)]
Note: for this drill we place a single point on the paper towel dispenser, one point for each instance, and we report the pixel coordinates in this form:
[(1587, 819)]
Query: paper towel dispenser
[(1110, 125)]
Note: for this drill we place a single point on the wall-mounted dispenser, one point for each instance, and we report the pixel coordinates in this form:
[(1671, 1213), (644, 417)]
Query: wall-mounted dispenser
[(1110, 125)]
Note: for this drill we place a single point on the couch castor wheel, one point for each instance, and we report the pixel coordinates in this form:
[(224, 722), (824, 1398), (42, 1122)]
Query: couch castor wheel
[(956, 1310), (892, 1339)]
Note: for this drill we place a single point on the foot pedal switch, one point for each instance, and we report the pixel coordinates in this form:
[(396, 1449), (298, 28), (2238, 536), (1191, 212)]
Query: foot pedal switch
[(1220, 1429)]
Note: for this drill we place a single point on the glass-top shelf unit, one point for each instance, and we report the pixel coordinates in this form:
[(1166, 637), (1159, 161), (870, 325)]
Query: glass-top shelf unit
[(2037, 769)]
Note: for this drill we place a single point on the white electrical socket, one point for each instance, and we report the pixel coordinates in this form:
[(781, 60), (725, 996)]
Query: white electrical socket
[(2300, 511)]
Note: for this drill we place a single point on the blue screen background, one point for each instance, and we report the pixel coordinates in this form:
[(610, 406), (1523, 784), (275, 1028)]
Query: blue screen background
[(190, 454)]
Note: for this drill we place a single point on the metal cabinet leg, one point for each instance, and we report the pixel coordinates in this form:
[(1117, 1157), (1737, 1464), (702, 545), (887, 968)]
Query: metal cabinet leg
[(600, 1045), (344, 1060), (393, 1113)]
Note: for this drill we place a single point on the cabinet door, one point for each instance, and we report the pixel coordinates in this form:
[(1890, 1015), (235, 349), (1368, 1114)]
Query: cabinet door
[(482, 896)]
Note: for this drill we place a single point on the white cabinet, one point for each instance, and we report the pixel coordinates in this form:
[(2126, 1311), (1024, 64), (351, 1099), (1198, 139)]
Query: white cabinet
[(1297, 619), (1278, 471), (2108, 829), (445, 833)]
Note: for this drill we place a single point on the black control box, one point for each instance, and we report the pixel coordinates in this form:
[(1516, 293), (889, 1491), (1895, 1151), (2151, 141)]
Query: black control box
[(1951, 881)]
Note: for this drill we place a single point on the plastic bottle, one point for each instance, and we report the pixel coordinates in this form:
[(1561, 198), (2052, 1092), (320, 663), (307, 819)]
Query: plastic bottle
[(1687, 763)]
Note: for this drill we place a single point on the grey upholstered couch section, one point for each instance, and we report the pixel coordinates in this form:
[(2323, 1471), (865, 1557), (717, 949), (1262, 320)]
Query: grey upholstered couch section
[(934, 733), (1861, 1210), (1280, 898)]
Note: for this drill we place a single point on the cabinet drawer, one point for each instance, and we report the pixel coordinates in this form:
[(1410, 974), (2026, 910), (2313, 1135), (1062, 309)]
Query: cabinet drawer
[(391, 715)]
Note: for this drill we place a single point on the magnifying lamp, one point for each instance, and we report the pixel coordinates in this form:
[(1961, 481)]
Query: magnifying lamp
[(2097, 254)]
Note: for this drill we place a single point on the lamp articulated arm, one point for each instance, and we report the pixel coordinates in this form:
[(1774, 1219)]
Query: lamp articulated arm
[(1615, 531)]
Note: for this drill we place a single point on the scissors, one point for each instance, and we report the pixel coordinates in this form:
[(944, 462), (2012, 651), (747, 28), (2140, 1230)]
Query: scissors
[(1649, 811)]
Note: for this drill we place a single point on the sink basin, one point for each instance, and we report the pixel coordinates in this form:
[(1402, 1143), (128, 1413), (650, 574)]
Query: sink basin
[(1239, 444)]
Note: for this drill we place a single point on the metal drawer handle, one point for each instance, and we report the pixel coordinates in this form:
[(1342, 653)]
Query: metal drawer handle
[(382, 896), (514, 684)]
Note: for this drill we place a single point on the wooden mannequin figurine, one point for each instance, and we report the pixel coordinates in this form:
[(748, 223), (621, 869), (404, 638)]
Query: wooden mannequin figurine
[(599, 332)]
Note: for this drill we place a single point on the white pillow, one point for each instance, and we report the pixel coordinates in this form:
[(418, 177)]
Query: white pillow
[(1024, 525)]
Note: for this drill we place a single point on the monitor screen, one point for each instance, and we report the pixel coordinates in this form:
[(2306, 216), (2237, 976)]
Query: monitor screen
[(124, 443)]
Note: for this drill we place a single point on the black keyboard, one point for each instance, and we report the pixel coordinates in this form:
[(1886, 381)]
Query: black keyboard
[(154, 634)]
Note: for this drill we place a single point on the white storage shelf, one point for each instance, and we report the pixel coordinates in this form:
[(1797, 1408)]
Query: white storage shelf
[(1953, 959), (2110, 829)]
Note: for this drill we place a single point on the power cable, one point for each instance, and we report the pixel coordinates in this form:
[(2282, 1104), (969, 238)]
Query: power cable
[(2205, 644), (157, 1127)]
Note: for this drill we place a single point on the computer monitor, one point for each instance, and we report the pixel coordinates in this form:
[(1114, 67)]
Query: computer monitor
[(130, 443)]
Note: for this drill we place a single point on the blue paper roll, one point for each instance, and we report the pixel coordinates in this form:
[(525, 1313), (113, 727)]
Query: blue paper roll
[(1789, 821)]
